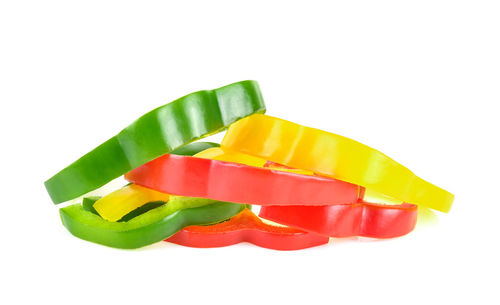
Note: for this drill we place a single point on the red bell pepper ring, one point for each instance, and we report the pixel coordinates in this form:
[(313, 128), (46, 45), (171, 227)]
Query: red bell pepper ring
[(344, 220), (240, 183), (247, 227)]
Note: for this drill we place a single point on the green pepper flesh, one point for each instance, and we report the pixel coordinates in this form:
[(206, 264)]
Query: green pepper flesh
[(155, 225), (158, 132)]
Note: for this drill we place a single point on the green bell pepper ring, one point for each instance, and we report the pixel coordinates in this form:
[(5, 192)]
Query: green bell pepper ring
[(88, 203), (155, 225), (158, 132)]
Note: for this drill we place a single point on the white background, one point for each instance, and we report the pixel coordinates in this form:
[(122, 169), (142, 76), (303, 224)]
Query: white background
[(418, 80)]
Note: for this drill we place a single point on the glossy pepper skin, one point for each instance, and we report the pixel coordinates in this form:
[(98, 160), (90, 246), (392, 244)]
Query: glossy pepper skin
[(158, 132), (153, 226), (352, 219), (246, 227), (334, 156), (344, 220), (234, 182)]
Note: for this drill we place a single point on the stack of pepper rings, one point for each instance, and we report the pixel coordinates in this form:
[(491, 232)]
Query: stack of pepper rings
[(310, 184)]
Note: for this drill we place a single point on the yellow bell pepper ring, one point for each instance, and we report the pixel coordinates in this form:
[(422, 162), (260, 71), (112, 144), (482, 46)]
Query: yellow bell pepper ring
[(217, 153), (334, 156), (119, 203), (114, 206)]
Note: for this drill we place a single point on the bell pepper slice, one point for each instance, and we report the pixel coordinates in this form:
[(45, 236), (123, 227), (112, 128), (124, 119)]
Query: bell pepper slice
[(353, 219), (246, 227), (153, 226), (344, 220), (119, 203), (160, 131), (235, 182), (88, 205), (334, 156)]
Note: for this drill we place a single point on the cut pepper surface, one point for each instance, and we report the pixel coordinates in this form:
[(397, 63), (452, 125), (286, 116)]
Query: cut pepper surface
[(158, 132), (246, 227), (334, 156), (243, 182)]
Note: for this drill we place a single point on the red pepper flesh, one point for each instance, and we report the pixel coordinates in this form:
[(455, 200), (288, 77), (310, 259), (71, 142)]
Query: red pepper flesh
[(234, 182), (246, 227), (344, 220)]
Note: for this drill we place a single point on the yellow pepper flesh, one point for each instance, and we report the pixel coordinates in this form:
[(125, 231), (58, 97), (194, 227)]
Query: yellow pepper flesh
[(217, 153), (117, 204), (334, 156)]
